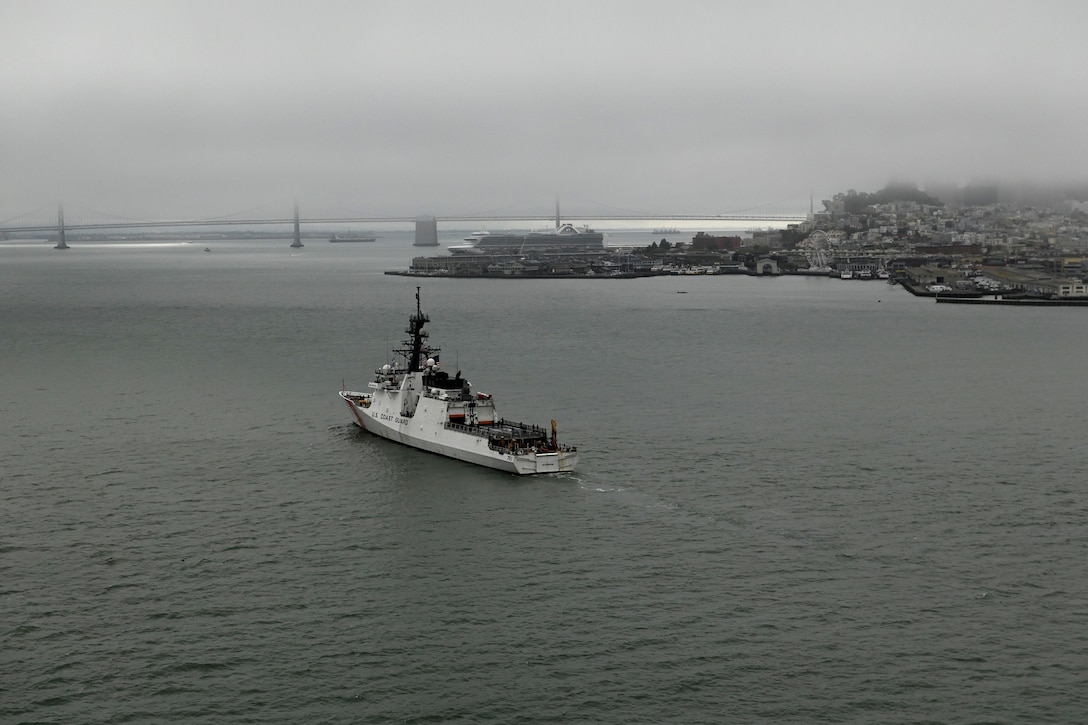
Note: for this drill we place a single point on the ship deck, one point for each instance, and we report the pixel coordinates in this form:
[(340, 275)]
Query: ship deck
[(502, 428)]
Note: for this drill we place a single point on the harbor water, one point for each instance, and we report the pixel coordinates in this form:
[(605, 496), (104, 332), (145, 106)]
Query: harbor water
[(799, 500)]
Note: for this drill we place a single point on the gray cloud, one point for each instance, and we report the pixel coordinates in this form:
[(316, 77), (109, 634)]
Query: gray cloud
[(179, 108)]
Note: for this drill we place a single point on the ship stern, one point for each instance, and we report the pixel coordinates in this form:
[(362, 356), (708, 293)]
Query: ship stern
[(557, 462)]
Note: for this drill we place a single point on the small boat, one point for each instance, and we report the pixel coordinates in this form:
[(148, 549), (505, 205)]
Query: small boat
[(414, 402), (207, 249)]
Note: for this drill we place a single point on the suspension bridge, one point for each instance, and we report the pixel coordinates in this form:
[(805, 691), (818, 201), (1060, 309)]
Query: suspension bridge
[(95, 222)]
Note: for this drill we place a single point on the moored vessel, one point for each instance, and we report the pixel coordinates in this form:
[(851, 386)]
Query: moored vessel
[(414, 402), (565, 237), (352, 237)]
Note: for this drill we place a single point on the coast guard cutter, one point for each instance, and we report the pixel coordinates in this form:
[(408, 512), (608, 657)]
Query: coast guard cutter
[(413, 401)]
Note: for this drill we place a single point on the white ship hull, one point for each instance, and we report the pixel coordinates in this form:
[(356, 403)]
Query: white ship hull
[(430, 429)]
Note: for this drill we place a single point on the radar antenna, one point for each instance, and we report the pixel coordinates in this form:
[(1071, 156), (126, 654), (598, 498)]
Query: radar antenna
[(415, 329)]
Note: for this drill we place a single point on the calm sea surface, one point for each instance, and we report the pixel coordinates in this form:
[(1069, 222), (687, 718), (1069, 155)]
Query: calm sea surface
[(800, 500)]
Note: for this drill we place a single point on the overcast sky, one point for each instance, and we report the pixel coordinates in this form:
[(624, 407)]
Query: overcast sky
[(192, 108)]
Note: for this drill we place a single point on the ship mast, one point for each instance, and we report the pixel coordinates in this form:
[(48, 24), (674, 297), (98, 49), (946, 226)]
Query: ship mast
[(415, 329)]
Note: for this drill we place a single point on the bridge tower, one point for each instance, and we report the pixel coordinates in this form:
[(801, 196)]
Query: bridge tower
[(298, 235), (426, 232), (62, 243)]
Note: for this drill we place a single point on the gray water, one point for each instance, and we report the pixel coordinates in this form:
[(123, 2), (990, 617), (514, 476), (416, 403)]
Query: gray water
[(799, 500)]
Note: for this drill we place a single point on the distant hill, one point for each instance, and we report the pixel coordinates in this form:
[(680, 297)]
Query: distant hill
[(856, 202)]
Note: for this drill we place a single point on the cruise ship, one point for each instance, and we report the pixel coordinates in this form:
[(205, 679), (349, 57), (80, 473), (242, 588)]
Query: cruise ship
[(566, 237)]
